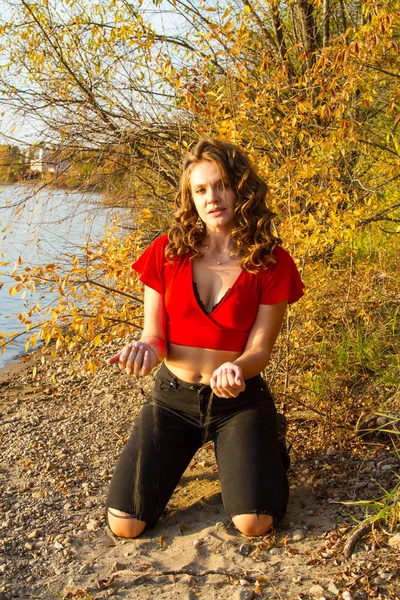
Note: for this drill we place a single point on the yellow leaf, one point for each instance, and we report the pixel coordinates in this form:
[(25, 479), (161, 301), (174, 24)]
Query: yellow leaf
[(34, 371), (92, 367), (146, 214), (96, 340)]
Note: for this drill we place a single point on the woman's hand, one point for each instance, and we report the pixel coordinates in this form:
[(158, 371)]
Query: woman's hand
[(137, 358), (227, 381)]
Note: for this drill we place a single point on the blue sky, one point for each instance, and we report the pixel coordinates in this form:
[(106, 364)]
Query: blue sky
[(25, 131)]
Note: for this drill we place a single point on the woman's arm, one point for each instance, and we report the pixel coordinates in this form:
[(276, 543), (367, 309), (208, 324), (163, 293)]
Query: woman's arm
[(228, 380), (139, 358)]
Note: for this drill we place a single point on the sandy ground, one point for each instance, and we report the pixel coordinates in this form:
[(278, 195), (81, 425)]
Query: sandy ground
[(59, 444)]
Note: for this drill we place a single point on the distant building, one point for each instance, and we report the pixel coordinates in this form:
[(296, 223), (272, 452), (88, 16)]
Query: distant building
[(45, 161)]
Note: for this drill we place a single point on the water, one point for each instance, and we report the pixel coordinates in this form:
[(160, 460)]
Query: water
[(49, 224)]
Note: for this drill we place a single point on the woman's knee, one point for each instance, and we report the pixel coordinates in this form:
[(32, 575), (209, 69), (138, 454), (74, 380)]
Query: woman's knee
[(253, 524), (123, 525)]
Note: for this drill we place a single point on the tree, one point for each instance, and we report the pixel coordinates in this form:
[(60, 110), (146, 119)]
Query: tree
[(310, 89), (13, 163)]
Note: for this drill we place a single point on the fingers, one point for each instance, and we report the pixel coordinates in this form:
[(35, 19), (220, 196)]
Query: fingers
[(227, 382), (113, 360), (134, 359)]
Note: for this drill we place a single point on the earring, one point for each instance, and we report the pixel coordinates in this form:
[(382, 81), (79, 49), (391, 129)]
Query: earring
[(200, 225)]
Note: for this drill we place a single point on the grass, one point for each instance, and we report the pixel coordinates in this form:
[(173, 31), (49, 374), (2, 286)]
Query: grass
[(385, 510)]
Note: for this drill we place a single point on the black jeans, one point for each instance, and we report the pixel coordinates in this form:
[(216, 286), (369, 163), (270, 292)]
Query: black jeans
[(177, 419)]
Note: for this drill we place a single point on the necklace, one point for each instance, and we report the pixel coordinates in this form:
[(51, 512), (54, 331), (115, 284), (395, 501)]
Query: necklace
[(219, 262)]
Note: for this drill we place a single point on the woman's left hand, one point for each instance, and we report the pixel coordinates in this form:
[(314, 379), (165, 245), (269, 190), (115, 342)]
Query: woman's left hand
[(227, 381)]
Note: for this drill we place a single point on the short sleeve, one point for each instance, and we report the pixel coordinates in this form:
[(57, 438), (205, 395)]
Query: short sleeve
[(281, 281), (150, 264)]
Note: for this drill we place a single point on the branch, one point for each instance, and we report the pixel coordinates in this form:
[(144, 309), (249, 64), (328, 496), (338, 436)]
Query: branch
[(390, 73), (265, 32), (381, 215), (355, 537)]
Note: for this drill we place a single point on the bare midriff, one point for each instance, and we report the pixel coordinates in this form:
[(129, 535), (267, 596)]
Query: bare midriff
[(196, 365)]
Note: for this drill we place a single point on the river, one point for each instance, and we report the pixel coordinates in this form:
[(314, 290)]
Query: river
[(39, 231)]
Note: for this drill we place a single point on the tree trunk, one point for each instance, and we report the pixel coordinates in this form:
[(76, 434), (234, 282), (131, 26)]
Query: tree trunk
[(309, 28), (278, 27)]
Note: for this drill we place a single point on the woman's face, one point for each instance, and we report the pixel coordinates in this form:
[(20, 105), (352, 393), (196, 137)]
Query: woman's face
[(213, 196)]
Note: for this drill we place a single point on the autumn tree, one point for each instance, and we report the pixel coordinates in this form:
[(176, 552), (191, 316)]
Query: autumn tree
[(310, 89)]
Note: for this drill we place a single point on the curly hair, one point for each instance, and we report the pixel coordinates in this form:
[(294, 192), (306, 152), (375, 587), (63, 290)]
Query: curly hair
[(252, 235)]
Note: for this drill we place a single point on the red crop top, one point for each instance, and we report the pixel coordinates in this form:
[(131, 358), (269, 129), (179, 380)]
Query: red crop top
[(228, 325)]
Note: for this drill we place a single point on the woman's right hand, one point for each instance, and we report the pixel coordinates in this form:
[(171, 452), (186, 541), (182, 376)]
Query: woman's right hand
[(137, 358)]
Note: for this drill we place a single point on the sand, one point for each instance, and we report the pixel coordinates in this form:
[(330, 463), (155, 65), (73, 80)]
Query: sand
[(60, 439)]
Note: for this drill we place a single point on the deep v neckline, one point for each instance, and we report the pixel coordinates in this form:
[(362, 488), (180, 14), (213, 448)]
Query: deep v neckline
[(197, 298)]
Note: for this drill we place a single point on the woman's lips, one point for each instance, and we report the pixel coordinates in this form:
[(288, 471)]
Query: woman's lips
[(217, 211)]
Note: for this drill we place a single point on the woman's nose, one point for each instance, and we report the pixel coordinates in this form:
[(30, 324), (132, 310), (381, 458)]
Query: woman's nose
[(213, 195)]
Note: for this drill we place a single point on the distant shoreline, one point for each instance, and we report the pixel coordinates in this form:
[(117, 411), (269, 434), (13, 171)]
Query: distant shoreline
[(89, 188)]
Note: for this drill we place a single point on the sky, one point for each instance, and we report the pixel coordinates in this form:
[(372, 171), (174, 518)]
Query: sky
[(25, 131)]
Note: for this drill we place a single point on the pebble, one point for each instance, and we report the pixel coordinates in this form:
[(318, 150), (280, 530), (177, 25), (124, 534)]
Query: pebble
[(117, 566), (33, 535), (29, 545), (85, 569), (244, 595), (92, 525), (299, 535), (275, 551), (197, 543), (188, 579), (381, 421), (316, 590), (160, 579), (394, 541), (332, 588), (245, 549), (346, 595), (244, 582), (386, 467), (331, 451)]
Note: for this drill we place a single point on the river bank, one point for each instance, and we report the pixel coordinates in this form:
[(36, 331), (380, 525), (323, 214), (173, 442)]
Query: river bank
[(59, 445)]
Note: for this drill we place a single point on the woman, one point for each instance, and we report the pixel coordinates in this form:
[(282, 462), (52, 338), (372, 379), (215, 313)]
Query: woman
[(215, 294)]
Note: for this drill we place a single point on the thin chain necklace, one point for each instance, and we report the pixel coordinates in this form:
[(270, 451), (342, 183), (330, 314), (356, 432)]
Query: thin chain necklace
[(219, 262)]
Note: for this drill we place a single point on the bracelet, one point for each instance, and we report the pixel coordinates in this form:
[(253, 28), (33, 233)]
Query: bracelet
[(151, 348)]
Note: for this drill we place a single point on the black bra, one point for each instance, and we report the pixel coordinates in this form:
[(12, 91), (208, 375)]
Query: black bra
[(200, 302)]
